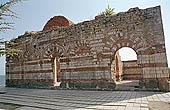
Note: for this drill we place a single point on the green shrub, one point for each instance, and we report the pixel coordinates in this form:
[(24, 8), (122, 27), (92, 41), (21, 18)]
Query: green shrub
[(111, 85), (93, 84), (89, 85), (27, 84), (108, 11), (153, 84), (77, 85), (102, 84), (63, 85)]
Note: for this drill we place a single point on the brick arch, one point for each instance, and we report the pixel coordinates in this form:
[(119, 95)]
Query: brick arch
[(118, 46), (114, 54), (135, 42), (119, 40), (53, 50), (116, 42)]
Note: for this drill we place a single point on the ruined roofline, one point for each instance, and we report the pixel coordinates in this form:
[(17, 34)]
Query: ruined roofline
[(130, 10), (27, 34)]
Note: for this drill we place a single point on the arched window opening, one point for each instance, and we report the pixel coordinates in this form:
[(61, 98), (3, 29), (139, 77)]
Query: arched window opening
[(56, 73)]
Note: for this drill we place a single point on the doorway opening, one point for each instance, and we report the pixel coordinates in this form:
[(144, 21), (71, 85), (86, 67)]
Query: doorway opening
[(125, 69), (56, 71)]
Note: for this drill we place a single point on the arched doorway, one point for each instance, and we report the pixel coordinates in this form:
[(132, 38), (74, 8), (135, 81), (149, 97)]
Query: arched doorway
[(54, 52), (56, 71), (131, 70), (125, 69)]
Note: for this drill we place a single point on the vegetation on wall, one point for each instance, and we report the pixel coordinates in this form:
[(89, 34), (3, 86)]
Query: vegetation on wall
[(108, 11), (6, 13), (5, 48)]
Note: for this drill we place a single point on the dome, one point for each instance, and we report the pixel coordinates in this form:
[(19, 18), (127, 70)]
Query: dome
[(60, 21)]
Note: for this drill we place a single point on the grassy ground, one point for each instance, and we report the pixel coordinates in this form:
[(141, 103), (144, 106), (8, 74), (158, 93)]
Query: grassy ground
[(9, 106)]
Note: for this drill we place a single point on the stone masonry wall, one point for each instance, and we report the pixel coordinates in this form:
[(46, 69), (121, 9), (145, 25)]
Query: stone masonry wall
[(131, 70), (117, 67), (86, 49)]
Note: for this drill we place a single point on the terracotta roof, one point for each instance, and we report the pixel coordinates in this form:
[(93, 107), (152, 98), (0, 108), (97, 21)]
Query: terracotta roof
[(57, 21)]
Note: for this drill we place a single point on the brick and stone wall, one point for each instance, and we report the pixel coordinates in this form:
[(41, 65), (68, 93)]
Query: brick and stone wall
[(117, 68), (131, 70), (86, 50)]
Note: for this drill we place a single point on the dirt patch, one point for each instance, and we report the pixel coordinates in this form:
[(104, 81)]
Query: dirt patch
[(157, 105)]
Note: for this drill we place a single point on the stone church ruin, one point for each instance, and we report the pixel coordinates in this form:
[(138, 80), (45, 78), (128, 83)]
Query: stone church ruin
[(85, 54)]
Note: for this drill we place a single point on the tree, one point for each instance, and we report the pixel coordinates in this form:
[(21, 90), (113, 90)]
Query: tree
[(5, 48), (108, 11), (6, 12)]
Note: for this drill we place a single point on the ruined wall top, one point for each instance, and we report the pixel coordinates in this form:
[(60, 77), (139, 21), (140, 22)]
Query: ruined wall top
[(132, 16)]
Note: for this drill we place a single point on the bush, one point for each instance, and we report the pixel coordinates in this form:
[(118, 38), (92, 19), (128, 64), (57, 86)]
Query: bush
[(89, 85), (108, 11), (28, 84), (153, 84), (111, 85), (63, 85)]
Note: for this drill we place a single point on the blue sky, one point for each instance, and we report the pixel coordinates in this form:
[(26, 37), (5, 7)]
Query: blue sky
[(35, 13)]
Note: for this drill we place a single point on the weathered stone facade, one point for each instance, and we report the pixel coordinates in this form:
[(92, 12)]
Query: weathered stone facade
[(131, 70), (117, 68), (85, 51)]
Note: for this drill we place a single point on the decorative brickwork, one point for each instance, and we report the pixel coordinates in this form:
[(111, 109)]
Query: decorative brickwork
[(86, 50)]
